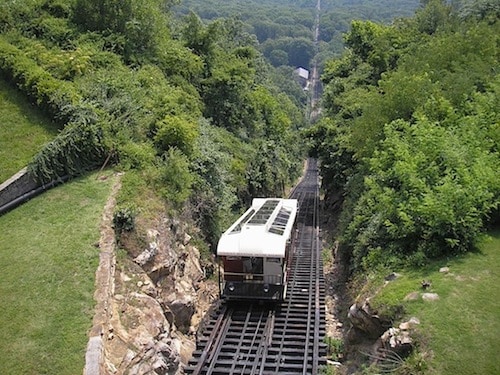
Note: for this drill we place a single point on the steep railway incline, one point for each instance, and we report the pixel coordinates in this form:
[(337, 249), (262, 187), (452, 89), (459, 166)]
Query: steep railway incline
[(281, 338)]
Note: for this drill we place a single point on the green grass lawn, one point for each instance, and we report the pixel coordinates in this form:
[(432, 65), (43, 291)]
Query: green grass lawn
[(461, 331), (23, 131), (47, 271)]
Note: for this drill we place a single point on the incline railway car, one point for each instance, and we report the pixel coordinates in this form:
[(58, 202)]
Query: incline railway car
[(255, 251)]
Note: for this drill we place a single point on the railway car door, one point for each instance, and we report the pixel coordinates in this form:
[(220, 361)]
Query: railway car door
[(273, 270)]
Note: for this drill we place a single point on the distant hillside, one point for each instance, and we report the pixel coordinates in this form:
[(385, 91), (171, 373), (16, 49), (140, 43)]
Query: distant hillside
[(284, 28)]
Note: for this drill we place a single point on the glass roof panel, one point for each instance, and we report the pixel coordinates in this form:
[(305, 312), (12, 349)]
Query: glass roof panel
[(242, 222), (264, 212), (279, 224)]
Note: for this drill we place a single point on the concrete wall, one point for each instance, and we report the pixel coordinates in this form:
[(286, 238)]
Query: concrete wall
[(16, 186), (22, 187)]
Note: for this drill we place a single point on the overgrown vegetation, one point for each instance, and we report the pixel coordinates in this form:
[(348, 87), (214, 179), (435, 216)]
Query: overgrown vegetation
[(189, 107), (410, 137)]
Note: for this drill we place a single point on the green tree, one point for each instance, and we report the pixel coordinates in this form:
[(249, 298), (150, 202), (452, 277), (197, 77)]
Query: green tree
[(137, 25), (175, 179), (428, 190), (433, 16), (176, 132)]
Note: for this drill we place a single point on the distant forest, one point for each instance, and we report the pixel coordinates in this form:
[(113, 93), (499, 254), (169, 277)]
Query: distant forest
[(283, 28)]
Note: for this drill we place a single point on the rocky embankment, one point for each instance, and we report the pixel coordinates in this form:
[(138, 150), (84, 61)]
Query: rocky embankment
[(150, 300)]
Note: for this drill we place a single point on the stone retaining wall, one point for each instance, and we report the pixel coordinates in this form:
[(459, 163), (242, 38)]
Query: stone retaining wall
[(16, 186), (105, 287)]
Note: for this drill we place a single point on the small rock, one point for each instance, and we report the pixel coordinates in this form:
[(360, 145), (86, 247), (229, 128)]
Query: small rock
[(140, 284), (333, 363), (405, 326), (365, 320), (392, 276), (186, 239), (444, 269), (414, 321), (153, 234), (413, 296), (430, 296), (147, 255), (397, 340)]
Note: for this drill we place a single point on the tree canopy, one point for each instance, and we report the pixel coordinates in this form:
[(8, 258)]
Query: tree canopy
[(185, 105), (410, 134)]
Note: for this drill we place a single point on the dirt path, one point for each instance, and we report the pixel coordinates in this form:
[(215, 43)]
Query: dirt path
[(104, 285)]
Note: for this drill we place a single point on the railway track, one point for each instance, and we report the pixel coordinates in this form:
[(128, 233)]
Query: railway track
[(279, 338)]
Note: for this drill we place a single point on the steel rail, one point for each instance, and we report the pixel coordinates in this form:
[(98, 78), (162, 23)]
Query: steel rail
[(221, 321), (233, 366)]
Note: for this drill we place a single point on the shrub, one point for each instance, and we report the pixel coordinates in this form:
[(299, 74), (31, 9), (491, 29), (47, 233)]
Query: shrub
[(49, 93), (54, 30), (136, 155), (429, 190), (78, 148), (123, 221), (178, 132), (175, 179)]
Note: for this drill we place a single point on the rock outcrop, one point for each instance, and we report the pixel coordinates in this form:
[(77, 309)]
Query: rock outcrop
[(365, 320), (157, 304)]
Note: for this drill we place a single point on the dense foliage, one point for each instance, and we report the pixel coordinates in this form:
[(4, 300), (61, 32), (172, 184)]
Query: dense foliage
[(411, 135), (284, 28), (191, 108)]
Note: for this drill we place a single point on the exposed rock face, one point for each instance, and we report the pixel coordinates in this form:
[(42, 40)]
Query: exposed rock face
[(363, 319), (138, 340), (396, 340), (156, 296)]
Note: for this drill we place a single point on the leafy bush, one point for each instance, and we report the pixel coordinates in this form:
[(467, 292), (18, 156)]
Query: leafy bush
[(55, 30), (78, 148), (136, 155), (49, 93), (410, 143), (175, 179), (214, 191), (428, 191), (123, 221), (176, 132)]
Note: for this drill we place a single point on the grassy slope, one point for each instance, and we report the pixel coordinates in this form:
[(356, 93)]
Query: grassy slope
[(23, 130), (461, 331), (47, 271)]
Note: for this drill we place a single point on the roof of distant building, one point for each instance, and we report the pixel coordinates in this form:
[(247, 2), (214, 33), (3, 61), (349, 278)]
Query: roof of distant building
[(303, 73)]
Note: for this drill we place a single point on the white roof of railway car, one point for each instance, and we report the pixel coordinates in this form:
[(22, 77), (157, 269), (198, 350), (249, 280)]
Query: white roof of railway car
[(262, 231)]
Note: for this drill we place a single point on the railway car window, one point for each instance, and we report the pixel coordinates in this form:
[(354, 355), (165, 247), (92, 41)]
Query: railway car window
[(242, 222), (279, 224), (274, 260), (264, 212), (253, 265)]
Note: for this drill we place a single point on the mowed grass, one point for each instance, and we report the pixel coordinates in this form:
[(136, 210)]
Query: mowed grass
[(459, 333), (23, 131), (48, 260)]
